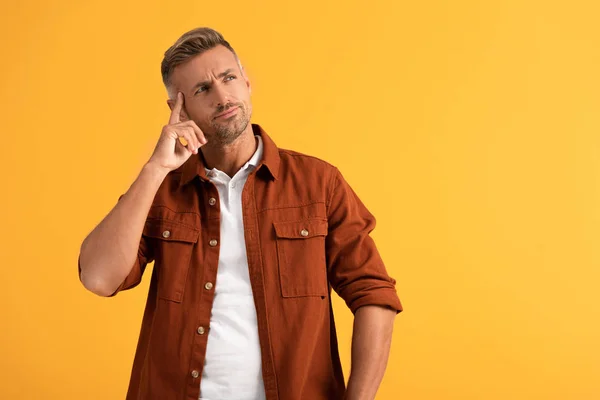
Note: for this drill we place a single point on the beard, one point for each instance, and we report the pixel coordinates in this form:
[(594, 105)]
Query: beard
[(227, 131)]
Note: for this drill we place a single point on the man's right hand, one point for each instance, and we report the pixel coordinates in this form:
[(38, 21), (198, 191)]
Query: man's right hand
[(170, 153), (111, 252)]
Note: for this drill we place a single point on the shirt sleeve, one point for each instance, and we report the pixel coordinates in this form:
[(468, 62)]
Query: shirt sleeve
[(134, 277), (354, 267)]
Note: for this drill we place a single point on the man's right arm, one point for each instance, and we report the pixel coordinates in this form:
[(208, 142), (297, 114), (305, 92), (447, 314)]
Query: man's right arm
[(110, 252)]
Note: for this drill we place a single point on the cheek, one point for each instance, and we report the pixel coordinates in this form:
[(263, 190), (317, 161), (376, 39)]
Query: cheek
[(245, 100), (198, 112), (241, 93)]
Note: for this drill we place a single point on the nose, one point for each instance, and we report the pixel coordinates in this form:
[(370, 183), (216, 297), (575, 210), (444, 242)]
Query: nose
[(221, 97)]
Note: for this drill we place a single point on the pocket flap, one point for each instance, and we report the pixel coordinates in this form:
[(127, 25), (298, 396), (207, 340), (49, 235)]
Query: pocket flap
[(171, 231), (301, 229)]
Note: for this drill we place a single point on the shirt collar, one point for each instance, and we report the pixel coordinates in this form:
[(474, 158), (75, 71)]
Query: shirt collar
[(252, 162), (257, 156), (266, 156)]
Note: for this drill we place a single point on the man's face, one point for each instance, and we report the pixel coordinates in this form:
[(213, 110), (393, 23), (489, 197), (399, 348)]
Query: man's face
[(216, 94)]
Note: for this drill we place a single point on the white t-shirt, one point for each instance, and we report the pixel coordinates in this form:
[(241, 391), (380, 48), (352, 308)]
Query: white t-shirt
[(232, 368)]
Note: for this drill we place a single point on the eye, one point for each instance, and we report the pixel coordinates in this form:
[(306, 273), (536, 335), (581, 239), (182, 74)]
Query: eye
[(230, 78), (201, 89)]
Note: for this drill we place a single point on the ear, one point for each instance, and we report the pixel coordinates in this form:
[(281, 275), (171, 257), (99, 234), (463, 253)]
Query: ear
[(247, 83), (245, 76), (183, 115)]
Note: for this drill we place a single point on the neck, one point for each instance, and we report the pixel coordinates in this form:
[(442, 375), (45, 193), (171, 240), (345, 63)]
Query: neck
[(231, 157)]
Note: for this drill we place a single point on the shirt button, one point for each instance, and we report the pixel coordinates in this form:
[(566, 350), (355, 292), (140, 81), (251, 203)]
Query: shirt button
[(195, 374), (212, 201), (201, 330), (213, 243), (208, 286), (166, 234), (304, 232)]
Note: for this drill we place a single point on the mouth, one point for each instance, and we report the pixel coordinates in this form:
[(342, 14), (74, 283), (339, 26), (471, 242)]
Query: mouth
[(232, 111)]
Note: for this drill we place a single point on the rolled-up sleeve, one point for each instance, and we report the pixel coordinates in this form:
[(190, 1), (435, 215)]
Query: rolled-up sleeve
[(354, 267), (144, 257)]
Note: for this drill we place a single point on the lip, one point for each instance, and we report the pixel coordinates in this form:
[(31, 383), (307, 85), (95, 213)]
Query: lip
[(228, 113)]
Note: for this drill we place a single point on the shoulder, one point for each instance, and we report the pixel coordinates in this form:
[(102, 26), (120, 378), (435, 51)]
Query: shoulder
[(308, 172), (293, 158)]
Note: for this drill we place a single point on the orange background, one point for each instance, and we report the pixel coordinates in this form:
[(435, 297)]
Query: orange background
[(469, 128)]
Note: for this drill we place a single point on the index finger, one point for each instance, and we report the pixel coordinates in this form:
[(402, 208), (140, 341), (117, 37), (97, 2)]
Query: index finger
[(176, 112)]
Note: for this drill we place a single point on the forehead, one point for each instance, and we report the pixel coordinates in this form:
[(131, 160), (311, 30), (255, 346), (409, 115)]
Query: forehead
[(204, 66)]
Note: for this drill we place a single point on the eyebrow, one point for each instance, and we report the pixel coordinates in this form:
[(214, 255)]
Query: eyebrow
[(206, 83)]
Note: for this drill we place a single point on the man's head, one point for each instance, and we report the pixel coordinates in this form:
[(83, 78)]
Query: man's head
[(205, 68)]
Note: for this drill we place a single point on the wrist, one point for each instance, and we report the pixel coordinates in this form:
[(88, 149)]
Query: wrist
[(155, 170), (355, 390)]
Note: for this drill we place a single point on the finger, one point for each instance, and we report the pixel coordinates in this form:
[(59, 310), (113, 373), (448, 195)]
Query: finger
[(194, 139), (176, 111), (198, 133), (190, 142), (182, 144)]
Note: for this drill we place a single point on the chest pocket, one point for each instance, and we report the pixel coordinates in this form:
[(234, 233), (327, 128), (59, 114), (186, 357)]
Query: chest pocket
[(301, 257), (174, 243)]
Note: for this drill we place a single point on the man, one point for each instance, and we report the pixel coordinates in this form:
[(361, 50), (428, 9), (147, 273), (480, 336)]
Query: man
[(247, 241)]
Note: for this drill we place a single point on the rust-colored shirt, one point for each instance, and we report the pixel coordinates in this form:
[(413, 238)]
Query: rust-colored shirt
[(306, 232)]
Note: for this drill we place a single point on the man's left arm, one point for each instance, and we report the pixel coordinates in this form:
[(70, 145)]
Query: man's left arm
[(371, 341), (358, 275)]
